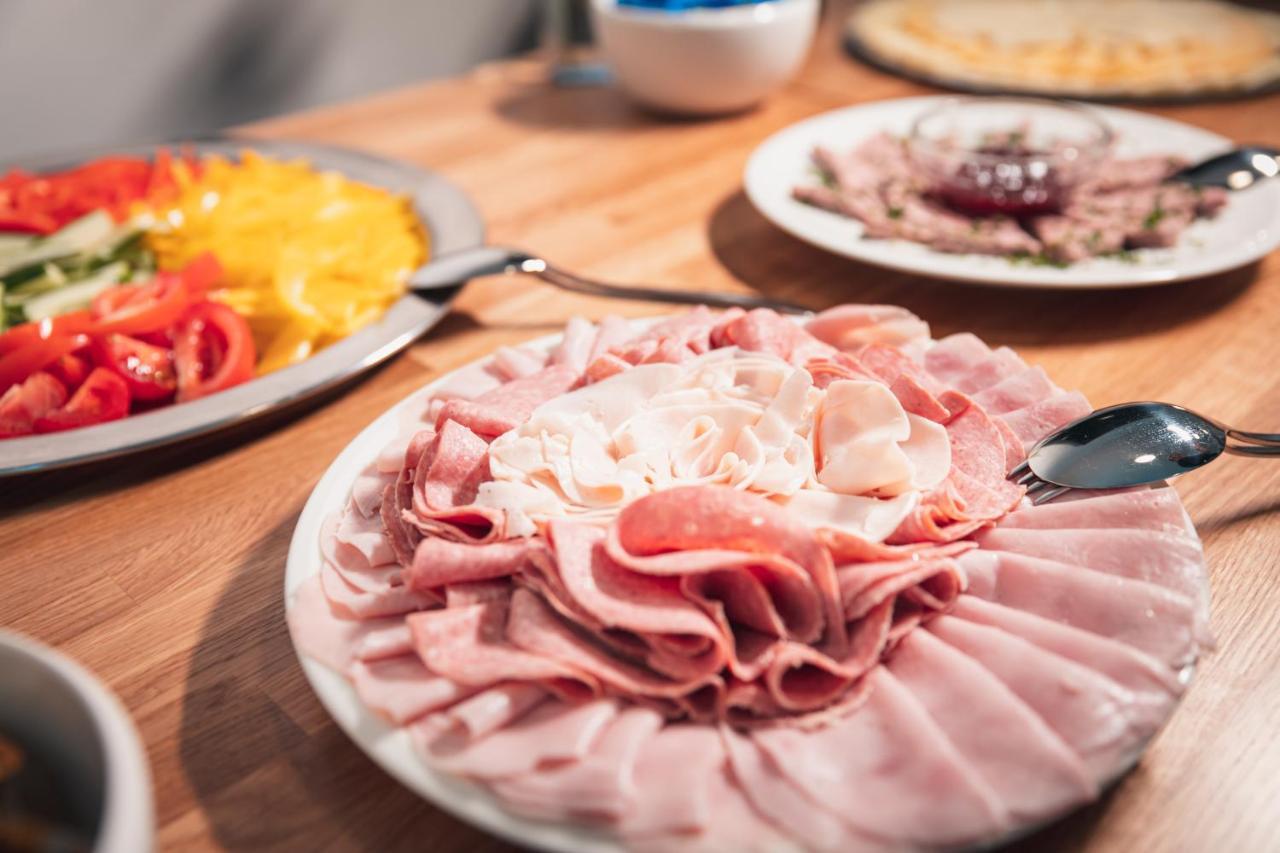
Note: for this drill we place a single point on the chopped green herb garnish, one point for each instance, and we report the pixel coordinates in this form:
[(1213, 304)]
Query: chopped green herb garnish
[(895, 212), (827, 179), (1127, 256), (1154, 217), (1039, 259)]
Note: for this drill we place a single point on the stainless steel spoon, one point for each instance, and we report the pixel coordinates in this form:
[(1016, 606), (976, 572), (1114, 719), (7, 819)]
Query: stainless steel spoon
[(1133, 444), (1233, 170), (454, 268)]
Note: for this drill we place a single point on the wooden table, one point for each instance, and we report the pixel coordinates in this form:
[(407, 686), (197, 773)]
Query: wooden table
[(163, 574)]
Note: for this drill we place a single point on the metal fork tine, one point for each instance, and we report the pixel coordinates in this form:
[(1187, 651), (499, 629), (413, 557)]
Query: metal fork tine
[(1021, 468), (1045, 497), (1037, 485), (1027, 478)]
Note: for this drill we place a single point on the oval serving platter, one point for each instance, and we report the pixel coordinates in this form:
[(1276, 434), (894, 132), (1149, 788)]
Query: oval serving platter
[(450, 219)]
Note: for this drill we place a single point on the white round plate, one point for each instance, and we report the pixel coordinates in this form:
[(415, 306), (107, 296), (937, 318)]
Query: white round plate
[(1246, 230), (446, 213), (390, 747)]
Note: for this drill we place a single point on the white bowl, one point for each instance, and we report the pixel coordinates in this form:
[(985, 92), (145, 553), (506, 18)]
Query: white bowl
[(705, 61), (76, 726)]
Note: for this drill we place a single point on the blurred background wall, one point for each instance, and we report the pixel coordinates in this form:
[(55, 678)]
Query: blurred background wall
[(76, 73)]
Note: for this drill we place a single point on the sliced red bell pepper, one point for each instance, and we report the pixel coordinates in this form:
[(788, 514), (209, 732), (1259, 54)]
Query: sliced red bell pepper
[(16, 366), (212, 350), (103, 397)]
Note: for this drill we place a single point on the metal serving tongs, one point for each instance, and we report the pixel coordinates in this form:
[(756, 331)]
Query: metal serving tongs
[(1132, 444)]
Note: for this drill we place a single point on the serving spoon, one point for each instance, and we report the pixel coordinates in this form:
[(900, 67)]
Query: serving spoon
[(1236, 169), (454, 268), (1132, 444)]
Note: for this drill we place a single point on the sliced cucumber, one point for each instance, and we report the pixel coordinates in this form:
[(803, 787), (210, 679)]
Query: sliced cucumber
[(95, 231), (75, 296)]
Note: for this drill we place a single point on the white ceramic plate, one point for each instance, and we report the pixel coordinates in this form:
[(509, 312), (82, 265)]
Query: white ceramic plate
[(450, 219), (390, 746), (1245, 231)]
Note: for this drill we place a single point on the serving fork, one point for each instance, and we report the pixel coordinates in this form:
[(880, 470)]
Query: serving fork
[(454, 268), (1132, 444)]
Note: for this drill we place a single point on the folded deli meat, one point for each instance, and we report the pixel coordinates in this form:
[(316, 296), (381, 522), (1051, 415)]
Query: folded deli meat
[(737, 582)]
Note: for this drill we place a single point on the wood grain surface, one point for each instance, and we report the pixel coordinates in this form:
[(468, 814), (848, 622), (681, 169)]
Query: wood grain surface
[(163, 574)]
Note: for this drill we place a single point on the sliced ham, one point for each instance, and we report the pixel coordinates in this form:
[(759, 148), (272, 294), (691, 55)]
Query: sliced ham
[(1173, 561), (1105, 723), (402, 689), (1016, 391), (1039, 419), (325, 635), (888, 770), (1140, 509), (673, 782), (356, 603), (1151, 618), (447, 475), (965, 363), (784, 804), (599, 787), (1145, 677), (506, 407), (1035, 773), (469, 645), (550, 733)]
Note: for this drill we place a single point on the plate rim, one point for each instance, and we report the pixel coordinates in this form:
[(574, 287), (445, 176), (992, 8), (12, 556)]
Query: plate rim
[(769, 207), (448, 214)]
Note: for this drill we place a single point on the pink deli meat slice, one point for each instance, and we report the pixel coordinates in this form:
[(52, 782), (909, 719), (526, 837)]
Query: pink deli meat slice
[(1150, 618), (491, 709), (355, 603), (1140, 509), (851, 327), (887, 769), (1017, 391), (673, 775), (469, 645), (1038, 420), (1033, 771), (535, 628), (600, 787), (692, 529), (440, 562), (509, 405), (1103, 722), (1149, 680), (325, 635), (965, 363), (348, 544), (445, 478), (785, 805), (1172, 561), (765, 331), (734, 825), (402, 689), (552, 732)]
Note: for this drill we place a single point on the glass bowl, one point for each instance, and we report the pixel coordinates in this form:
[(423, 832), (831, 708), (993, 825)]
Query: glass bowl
[(1012, 156)]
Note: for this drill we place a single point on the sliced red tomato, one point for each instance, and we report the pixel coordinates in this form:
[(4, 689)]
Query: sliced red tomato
[(147, 369), (70, 370), (103, 397), (22, 405), (17, 365), (77, 322), (212, 350)]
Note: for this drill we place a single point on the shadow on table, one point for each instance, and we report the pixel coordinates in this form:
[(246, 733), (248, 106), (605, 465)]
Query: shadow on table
[(779, 265), (581, 109), (268, 767)]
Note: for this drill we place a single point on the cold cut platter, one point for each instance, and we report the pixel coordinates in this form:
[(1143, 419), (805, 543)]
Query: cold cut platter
[(730, 581)]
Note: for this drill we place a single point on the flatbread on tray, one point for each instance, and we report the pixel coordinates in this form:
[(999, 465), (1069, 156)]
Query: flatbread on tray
[(1082, 48)]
